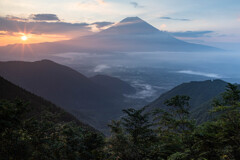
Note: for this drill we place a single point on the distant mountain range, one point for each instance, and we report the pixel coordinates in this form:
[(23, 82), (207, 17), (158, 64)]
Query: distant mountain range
[(129, 35), (93, 100), (201, 93)]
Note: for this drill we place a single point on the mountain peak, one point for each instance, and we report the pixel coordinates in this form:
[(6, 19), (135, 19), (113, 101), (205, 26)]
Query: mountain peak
[(46, 60), (132, 19), (131, 25)]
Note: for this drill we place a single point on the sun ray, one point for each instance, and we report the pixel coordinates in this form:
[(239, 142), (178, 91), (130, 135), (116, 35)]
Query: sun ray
[(23, 48)]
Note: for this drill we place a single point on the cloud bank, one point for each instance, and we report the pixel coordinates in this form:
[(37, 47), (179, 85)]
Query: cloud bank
[(45, 17), (192, 33), (176, 19), (46, 24), (102, 24), (210, 75), (144, 90), (101, 68)]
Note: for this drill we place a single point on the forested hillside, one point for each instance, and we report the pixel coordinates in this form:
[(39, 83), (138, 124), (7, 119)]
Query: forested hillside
[(201, 95), (94, 101), (171, 134), (33, 128)]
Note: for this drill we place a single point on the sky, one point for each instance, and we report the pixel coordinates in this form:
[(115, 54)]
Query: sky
[(201, 21)]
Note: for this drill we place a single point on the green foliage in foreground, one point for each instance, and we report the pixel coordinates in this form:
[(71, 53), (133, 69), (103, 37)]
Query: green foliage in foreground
[(44, 138), (139, 135), (171, 134)]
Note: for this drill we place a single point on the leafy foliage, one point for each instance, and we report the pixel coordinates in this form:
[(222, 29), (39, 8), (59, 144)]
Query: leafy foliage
[(42, 138), (132, 136), (171, 133)]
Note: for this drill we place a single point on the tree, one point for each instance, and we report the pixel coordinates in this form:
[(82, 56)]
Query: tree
[(14, 140), (175, 126), (220, 139), (132, 136)]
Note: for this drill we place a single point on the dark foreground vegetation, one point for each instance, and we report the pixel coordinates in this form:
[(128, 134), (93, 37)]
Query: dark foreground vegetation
[(139, 135)]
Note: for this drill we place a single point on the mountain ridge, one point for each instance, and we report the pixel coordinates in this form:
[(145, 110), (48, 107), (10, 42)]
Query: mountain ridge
[(201, 94), (90, 102), (130, 25), (10, 91)]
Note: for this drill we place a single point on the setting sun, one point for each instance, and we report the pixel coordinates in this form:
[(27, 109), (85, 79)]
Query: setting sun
[(24, 38)]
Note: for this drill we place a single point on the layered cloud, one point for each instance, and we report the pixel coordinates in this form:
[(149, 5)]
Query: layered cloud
[(193, 34), (102, 24), (45, 17), (42, 27), (46, 24), (210, 75), (101, 68), (14, 18), (176, 19)]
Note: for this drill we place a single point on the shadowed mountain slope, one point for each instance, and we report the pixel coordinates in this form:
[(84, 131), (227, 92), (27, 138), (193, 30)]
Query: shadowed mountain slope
[(90, 102), (38, 105), (201, 94), (119, 86)]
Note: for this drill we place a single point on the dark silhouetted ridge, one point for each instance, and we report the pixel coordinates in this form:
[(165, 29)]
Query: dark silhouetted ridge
[(91, 102), (38, 105)]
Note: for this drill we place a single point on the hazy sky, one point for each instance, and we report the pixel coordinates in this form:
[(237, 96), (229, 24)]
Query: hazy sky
[(214, 20)]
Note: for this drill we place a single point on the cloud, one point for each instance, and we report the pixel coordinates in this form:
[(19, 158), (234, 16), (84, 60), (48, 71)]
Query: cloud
[(136, 5), (98, 26), (14, 18), (2, 33), (192, 33), (144, 90), (100, 1), (210, 75), (48, 24), (44, 17), (91, 3), (176, 19), (15, 24), (101, 68), (102, 24), (163, 26)]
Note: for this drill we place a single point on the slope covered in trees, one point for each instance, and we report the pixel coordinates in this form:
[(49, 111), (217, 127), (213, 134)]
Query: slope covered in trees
[(91, 100), (37, 105), (171, 134), (33, 128), (167, 133), (201, 94)]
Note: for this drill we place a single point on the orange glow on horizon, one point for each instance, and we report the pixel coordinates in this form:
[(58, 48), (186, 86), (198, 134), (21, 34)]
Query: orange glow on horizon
[(22, 38)]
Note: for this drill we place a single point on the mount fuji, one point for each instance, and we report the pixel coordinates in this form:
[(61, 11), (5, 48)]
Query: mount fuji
[(132, 34)]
